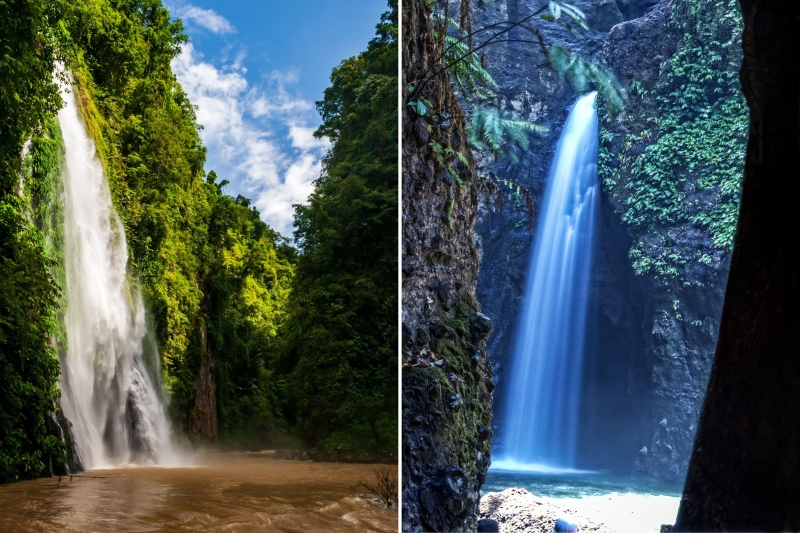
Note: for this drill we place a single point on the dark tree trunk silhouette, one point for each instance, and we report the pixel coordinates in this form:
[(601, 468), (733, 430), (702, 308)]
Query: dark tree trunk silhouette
[(744, 474)]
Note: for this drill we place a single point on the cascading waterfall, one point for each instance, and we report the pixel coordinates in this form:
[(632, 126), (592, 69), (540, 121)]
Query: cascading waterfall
[(543, 388), (113, 402)]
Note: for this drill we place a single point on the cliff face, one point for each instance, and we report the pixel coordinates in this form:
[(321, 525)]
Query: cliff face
[(204, 421), (447, 380), (671, 165), (660, 268)]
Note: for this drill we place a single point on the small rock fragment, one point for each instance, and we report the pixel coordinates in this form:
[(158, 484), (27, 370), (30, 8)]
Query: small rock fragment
[(565, 526), (488, 525)]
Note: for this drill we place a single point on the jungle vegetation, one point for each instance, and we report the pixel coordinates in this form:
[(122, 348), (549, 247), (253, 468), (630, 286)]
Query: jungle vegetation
[(681, 158), (303, 334)]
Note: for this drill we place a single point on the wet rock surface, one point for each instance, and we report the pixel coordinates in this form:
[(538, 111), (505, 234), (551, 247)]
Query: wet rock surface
[(447, 380)]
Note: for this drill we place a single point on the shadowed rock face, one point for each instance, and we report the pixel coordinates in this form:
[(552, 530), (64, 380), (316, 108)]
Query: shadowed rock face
[(632, 9), (447, 381), (646, 362), (744, 473)]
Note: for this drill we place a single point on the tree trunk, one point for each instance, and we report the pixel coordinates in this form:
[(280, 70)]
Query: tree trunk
[(744, 474)]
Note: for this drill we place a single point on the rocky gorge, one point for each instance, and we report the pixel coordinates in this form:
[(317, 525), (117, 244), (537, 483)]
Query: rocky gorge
[(670, 164), (662, 251)]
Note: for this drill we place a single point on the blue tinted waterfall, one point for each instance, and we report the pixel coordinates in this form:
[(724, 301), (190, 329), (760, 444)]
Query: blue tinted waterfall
[(542, 394)]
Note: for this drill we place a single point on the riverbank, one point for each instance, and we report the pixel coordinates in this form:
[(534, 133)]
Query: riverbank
[(222, 492)]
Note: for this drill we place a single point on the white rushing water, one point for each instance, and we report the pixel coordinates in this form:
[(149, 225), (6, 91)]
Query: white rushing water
[(114, 404), (542, 394)]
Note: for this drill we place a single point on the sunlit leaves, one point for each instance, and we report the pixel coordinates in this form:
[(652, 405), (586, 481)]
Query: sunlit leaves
[(339, 345)]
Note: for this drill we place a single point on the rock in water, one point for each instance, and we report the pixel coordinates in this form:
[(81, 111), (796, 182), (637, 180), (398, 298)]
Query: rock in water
[(565, 526), (488, 525)]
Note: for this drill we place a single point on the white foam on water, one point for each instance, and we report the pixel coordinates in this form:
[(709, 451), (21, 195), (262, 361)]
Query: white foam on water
[(625, 512), (510, 465)]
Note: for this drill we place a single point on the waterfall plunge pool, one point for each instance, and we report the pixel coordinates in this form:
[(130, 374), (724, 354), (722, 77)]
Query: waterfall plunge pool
[(622, 503), (225, 492)]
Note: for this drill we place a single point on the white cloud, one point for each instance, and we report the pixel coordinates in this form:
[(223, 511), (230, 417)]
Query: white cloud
[(295, 189), (303, 138), (205, 18), (277, 104), (239, 122)]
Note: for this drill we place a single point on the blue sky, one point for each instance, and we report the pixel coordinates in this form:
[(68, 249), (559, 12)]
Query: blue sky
[(254, 69)]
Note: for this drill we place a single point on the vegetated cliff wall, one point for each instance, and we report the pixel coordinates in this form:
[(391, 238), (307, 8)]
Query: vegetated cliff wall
[(671, 165), (447, 379), (664, 230)]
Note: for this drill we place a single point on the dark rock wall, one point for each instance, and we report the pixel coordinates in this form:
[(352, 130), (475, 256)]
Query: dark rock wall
[(745, 467), (447, 380), (650, 340), (204, 420)]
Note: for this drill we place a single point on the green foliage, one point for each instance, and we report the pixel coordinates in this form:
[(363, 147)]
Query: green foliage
[(42, 192), (216, 279), (465, 66), (340, 343), (682, 158), (28, 366), (204, 260), (28, 51), (28, 294), (146, 134), (572, 13), (248, 278), (496, 131), (31, 308), (584, 75)]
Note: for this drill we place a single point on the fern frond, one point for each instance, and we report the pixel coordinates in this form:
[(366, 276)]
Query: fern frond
[(583, 75), (498, 131), (465, 65)]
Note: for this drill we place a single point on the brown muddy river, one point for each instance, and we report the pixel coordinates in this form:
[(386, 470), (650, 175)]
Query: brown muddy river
[(245, 492)]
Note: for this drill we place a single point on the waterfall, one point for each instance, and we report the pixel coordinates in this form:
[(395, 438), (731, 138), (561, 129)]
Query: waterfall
[(114, 403), (543, 387)]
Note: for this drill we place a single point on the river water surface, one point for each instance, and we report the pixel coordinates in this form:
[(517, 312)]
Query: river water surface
[(224, 492)]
